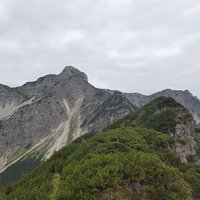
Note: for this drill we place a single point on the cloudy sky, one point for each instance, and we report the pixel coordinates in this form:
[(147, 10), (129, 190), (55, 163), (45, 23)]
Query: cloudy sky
[(129, 45)]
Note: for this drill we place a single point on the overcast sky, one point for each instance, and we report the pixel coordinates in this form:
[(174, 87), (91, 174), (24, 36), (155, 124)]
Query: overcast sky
[(129, 45)]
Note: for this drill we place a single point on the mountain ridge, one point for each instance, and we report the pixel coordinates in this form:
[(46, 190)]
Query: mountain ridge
[(128, 160), (183, 97), (46, 114)]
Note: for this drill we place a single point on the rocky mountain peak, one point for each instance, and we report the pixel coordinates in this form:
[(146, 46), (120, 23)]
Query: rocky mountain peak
[(50, 79), (70, 71), (44, 115)]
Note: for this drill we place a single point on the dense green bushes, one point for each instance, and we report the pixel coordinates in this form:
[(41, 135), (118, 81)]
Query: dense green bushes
[(161, 115), (143, 173), (131, 163), (22, 167)]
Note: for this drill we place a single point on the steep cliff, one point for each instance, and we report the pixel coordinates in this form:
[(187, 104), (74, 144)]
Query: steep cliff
[(53, 111)]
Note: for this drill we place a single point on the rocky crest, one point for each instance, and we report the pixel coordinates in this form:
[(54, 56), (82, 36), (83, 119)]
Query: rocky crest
[(190, 102), (41, 117), (53, 111)]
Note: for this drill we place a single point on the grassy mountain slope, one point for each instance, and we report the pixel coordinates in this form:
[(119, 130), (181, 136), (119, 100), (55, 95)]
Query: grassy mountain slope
[(121, 162), (167, 116), (162, 114)]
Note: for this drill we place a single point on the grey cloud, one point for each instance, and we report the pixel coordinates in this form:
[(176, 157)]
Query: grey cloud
[(134, 46)]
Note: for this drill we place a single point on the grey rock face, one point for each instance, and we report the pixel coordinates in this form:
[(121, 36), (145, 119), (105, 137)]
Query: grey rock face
[(44, 115), (10, 99), (61, 108), (185, 132), (115, 107)]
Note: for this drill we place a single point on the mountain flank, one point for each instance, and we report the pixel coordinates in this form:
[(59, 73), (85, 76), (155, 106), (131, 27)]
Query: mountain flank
[(129, 160), (41, 117)]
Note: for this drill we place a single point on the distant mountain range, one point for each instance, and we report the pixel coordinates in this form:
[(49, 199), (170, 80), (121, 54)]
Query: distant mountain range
[(41, 117)]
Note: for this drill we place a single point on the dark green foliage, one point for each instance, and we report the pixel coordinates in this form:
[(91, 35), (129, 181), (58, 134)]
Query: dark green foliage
[(193, 178), (18, 169), (2, 122), (112, 171), (27, 92), (163, 122), (197, 130), (170, 158), (122, 163), (162, 114), (192, 159)]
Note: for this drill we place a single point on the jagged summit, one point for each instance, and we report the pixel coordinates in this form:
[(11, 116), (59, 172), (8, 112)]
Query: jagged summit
[(50, 79), (69, 71)]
